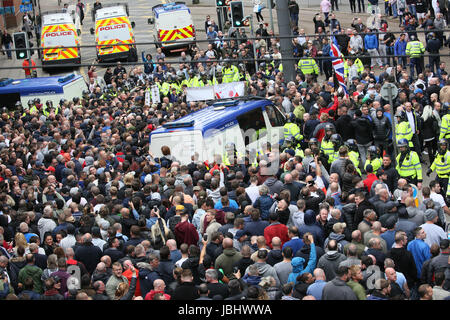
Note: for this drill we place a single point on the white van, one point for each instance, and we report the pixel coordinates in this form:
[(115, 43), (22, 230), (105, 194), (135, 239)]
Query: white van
[(246, 122), (44, 88), (174, 26), (58, 30)]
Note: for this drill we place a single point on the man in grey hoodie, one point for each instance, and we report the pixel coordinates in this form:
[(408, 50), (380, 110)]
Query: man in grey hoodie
[(264, 268), (337, 289), (330, 261)]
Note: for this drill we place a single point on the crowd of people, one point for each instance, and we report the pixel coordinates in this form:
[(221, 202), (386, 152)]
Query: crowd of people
[(87, 213)]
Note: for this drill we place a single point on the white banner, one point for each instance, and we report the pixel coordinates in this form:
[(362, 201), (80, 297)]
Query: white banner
[(200, 93), (147, 98), (155, 94), (220, 91), (229, 90)]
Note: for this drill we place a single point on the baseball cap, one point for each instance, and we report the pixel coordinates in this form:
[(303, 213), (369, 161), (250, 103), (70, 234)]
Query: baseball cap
[(179, 207), (52, 169), (418, 91)]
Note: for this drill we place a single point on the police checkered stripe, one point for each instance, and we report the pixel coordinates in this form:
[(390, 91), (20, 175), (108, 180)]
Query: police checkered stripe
[(115, 48), (59, 53), (182, 33)]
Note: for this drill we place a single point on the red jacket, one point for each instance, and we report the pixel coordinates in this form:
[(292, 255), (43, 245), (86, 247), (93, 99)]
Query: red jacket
[(371, 177), (185, 232), (151, 294), (276, 229), (128, 274)]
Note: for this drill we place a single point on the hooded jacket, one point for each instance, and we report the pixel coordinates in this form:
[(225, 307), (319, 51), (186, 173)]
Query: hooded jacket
[(298, 262), (337, 289), (329, 262), (381, 126), (311, 226), (146, 277), (226, 261), (35, 273), (340, 239), (263, 203), (185, 232), (274, 185), (266, 270), (198, 271), (363, 130)]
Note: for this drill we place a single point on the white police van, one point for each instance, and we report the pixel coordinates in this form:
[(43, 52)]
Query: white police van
[(248, 122)]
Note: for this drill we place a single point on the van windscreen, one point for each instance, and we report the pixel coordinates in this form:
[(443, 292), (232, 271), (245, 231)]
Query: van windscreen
[(114, 32), (174, 20), (59, 39)]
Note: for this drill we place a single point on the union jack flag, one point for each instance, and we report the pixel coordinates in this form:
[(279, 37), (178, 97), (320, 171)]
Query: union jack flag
[(338, 65)]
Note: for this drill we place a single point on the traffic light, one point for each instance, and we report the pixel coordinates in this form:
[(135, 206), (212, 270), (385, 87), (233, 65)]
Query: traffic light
[(237, 13), (20, 41), (220, 3)]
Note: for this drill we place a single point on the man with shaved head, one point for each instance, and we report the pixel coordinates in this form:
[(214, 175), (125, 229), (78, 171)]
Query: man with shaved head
[(88, 253), (228, 258)]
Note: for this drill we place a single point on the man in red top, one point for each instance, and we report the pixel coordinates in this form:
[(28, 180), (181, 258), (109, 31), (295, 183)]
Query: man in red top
[(128, 274), (26, 67), (275, 229), (371, 177), (158, 287), (185, 232)]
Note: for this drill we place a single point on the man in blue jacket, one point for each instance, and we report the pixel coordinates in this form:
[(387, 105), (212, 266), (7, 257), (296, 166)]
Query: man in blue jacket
[(419, 249), (400, 49), (371, 45)]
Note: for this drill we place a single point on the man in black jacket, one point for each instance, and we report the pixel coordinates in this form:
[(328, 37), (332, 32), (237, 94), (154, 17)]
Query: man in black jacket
[(391, 173), (381, 130), (403, 259), (88, 254), (342, 127), (363, 134)]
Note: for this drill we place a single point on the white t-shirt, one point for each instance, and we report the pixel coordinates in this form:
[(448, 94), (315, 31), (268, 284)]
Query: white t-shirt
[(438, 198)]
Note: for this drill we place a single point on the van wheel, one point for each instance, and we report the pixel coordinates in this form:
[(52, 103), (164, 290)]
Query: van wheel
[(133, 57)]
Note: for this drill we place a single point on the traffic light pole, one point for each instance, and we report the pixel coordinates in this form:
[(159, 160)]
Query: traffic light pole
[(250, 17), (269, 6), (284, 28)]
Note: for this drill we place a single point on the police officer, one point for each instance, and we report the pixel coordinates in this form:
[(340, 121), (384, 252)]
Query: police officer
[(445, 124), (326, 146), (308, 65), (193, 80), (230, 72), (230, 156), (403, 128), (292, 129), (408, 164), (353, 153), (336, 140), (441, 165), (373, 158), (415, 50), (433, 46)]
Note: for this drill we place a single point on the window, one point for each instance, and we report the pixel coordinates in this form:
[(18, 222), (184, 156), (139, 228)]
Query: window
[(275, 117), (252, 125)]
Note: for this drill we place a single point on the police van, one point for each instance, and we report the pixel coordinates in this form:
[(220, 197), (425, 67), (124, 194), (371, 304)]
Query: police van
[(114, 33), (59, 39), (246, 122), (43, 88), (174, 26)]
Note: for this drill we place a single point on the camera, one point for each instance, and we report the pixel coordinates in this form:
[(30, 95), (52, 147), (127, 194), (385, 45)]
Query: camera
[(205, 237), (155, 207), (235, 269)]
